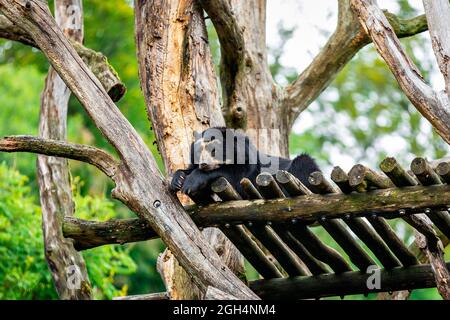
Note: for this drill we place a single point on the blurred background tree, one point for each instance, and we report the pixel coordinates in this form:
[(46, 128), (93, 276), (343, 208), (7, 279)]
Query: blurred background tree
[(361, 117)]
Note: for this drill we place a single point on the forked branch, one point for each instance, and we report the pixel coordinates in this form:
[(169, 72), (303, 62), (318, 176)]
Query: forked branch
[(343, 44), (98, 158), (434, 106)]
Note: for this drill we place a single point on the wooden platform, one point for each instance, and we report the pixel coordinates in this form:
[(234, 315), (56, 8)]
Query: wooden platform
[(277, 227)]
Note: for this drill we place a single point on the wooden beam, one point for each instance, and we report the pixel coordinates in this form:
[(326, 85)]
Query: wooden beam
[(414, 277)]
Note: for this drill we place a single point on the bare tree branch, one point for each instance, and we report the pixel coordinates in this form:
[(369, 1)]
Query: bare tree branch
[(91, 234), (96, 61), (434, 106), (151, 296), (97, 157), (438, 16), (428, 241), (344, 43), (140, 185)]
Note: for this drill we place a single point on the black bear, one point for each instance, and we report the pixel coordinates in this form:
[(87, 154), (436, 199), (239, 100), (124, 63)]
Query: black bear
[(223, 152)]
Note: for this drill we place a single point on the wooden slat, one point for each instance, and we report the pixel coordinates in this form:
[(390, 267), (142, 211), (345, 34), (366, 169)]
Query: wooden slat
[(239, 236), (401, 278)]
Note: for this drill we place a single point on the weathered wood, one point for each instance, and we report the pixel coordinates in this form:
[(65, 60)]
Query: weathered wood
[(345, 240), (362, 178), (216, 294), (285, 257), (347, 39), (291, 184), (268, 187), (393, 241), (59, 148), (225, 190), (250, 190), (91, 234), (438, 18), (341, 179), (399, 176), (180, 88), (318, 249), (66, 265), (96, 61), (151, 296), (414, 277), (252, 252), (434, 106), (139, 184), (443, 170), (313, 264), (424, 172), (428, 241), (321, 184), (239, 235), (385, 202), (336, 229), (373, 242)]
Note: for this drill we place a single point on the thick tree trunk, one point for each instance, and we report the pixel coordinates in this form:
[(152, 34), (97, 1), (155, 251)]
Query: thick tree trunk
[(66, 264), (180, 88), (139, 184), (251, 100)]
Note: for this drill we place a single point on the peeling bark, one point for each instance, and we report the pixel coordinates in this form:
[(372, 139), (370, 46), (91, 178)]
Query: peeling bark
[(53, 173), (434, 106), (180, 88), (139, 184)]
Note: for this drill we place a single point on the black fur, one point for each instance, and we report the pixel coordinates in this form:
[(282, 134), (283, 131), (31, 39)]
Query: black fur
[(194, 180)]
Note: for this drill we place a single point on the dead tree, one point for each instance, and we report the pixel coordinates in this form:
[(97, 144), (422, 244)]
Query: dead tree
[(179, 84)]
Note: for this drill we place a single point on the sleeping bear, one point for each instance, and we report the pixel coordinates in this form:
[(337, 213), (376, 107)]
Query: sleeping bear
[(223, 152)]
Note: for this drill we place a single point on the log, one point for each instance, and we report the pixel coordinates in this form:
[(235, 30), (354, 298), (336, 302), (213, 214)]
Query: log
[(313, 264), (252, 252), (53, 174), (307, 209), (318, 249), (291, 184), (335, 228), (239, 235), (406, 257), (348, 283), (399, 176), (285, 257), (91, 234), (362, 178), (250, 190), (268, 187), (424, 172), (373, 241), (443, 170), (341, 179), (150, 296), (321, 184)]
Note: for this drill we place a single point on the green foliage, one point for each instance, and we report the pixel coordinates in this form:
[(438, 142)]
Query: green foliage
[(23, 270)]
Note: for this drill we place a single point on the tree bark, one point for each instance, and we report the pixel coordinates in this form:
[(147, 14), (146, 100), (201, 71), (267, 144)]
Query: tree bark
[(96, 61), (139, 184), (434, 106), (53, 173), (180, 88), (438, 17)]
